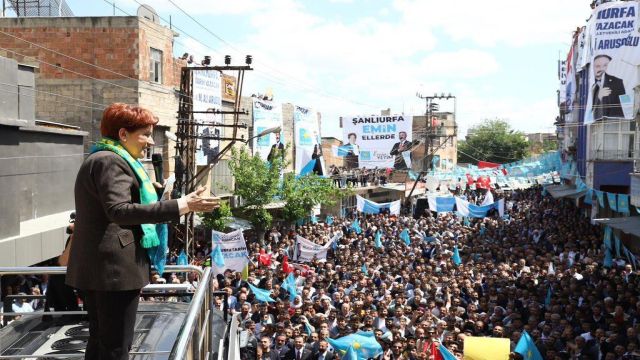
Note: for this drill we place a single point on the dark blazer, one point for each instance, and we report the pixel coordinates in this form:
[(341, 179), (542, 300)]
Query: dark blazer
[(291, 354), (106, 254), (399, 162), (610, 104), (275, 150), (328, 356)]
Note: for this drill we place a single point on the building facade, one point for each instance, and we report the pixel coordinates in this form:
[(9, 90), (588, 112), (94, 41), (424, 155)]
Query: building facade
[(443, 140), (38, 168)]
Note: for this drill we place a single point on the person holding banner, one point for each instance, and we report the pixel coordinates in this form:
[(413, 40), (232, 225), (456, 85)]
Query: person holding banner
[(398, 149), (607, 90)]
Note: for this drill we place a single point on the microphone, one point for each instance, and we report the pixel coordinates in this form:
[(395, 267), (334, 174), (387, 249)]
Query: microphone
[(156, 160)]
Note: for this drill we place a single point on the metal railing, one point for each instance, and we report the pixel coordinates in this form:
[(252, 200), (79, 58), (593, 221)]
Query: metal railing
[(195, 339)]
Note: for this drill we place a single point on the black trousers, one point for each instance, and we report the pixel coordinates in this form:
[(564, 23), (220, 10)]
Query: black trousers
[(112, 318)]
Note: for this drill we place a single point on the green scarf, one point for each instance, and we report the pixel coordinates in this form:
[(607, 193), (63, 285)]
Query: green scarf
[(148, 193)]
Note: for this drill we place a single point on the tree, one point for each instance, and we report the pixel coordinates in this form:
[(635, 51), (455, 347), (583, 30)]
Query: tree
[(302, 193), (257, 183), (493, 141), (219, 218)]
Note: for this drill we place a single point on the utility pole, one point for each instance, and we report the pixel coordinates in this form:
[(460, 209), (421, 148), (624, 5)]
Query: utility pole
[(187, 134), (431, 133)]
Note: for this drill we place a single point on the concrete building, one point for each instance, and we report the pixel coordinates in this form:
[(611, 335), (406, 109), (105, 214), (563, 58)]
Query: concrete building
[(87, 63), (445, 140), (39, 161), (541, 137)]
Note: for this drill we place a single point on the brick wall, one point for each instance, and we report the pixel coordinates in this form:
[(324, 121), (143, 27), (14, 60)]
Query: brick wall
[(327, 152)]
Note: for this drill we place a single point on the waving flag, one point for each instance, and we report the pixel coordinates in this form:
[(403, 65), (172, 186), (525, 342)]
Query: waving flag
[(182, 259), (623, 203), (445, 353), (547, 299), (218, 259), (289, 284), (329, 220), (600, 196), (378, 243), (404, 236), (286, 268), (308, 169), (364, 344), (364, 269), (527, 348), (355, 226), (350, 354), (261, 294), (456, 256), (613, 203)]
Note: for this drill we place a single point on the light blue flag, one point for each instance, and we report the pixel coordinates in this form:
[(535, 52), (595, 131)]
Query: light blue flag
[(445, 353), (547, 299), (182, 259), (607, 237), (613, 203), (412, 175), (307, 328), (308, 169), (377, 240), (456, 256), (404, 236), (329, 220), (261, 294), (429, 238), (314, 219), (617, 244), (527, 348), (350, 354), (608, 259), (344, 150), (623, 203), (355, 225), (465, 221), (217, 257), (600, 196), (588, 197), (363, 343), (289, 284), (364, 269)]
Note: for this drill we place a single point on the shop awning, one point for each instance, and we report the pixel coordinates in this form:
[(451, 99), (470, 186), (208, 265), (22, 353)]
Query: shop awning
[(560, 191), (628, 225)]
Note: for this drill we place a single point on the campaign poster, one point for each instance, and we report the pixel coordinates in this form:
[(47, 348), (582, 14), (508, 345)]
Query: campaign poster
[(233, 248), (307, 139), (207, 96), (266, 115), (614, 63), (378, 141)]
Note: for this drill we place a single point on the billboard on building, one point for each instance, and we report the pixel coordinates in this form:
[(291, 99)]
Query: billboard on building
[(267, 115), (307, 139), (615, 56), (378, 141), (207, 97)]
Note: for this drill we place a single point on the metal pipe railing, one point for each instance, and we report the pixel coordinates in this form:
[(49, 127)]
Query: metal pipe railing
[(199, 305)]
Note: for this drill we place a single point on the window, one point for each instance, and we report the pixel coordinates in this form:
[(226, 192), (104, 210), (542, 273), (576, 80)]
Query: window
[(155, 66), (613, 140)]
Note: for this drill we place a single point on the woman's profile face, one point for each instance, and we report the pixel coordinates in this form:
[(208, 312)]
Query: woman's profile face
[(136, 142)]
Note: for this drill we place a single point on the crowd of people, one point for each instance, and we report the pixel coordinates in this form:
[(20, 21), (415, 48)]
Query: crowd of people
[(538, 269), (356, 177)]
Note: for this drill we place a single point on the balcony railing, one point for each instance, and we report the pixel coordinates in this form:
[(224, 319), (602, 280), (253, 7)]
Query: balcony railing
[(629, 154)]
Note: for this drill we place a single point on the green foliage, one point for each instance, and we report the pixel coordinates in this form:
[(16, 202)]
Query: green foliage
[(219, 218), (494, 141), (257, 183), (301, 194)]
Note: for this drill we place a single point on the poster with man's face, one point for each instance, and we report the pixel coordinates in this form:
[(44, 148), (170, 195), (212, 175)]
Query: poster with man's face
[(379, 141), (615, 55)]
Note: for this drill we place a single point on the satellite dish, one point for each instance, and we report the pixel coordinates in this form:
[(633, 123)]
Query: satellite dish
[(147, 12)]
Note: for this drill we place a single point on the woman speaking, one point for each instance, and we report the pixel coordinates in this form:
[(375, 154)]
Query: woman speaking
[(115, 234)]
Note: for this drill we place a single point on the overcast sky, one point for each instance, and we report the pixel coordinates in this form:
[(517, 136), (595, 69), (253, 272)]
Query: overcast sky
[(347, 57)]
